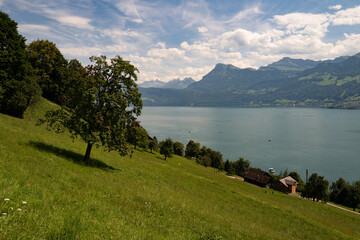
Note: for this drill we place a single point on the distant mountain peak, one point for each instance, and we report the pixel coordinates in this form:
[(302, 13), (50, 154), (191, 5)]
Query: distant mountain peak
[(175, 83)]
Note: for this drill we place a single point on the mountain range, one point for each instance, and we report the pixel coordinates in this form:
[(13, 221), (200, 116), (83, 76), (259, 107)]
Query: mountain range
[(288, 82), (175, 83)]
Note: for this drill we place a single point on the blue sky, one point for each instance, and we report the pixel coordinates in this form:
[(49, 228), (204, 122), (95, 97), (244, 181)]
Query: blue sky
[(180, 38)]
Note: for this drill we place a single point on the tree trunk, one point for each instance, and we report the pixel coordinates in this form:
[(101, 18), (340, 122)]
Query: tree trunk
[(87, 154)]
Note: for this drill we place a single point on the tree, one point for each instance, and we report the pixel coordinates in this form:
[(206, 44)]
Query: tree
[(138, 136), (345, 193), (104, 105), (153, 144), (229, 167), (316, 188), (48, 68), (179, 149), (339, 191), (216, 160), (192, 149), (17, 89), (353, 198), (241, 166), (166, 148), (204, 160), (73, 74)]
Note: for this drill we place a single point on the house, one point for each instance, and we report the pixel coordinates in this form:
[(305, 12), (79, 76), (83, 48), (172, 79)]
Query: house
[(286, 185), (258, 177)]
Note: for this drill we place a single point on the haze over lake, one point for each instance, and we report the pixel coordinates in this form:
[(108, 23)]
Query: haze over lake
[(325, 141)]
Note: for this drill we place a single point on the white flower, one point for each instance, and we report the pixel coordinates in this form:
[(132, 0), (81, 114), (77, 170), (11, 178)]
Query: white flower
[(11, 208), (23, 202), (19, 209), (6, 199)]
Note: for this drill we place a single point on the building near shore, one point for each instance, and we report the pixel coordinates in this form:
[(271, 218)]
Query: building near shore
[(286, 185)]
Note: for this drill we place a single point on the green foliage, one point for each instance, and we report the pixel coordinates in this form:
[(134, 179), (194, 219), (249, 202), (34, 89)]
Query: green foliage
[(48, 68), (204, 160), (229, 167), (346, 194), (241, 166), (103, 105), (167, 148), (17, 90), (138, 136), (192, 149), (207, 156), (179, 149), (316, 188), (153, 144)]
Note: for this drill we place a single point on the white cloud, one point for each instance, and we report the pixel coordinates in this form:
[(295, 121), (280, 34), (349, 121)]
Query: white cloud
[(194, 72), (130, 10), (304, 23), (1, 2), (30, 28), (202, 29), (75, 21), (166, 53), (161, 45), (247, 13), (115, 33), (69, 20), (350, 16), (81, 51), (335, 7)]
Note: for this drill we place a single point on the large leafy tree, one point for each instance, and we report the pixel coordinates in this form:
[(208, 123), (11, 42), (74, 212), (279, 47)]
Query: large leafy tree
[(103, 105), (316, 188), (48, 68), (153, 144), (192, 149), (179, 149), (241, 166), (167, 148), (17, 90)]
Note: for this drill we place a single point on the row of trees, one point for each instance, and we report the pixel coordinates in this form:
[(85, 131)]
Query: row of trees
[(98, 103), (345, 193), (28, 72)]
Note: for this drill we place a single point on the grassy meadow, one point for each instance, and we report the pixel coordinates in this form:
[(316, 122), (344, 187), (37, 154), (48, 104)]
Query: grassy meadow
[(47, 193)]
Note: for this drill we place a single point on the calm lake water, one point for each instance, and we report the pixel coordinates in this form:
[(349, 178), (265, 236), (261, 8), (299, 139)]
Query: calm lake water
[(325, 141)]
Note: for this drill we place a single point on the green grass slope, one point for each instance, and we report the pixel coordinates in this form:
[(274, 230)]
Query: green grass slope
[(142, 197)]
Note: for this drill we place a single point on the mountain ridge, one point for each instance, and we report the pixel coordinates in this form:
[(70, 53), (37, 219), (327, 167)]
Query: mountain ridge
[(175, 83), (330, 83)]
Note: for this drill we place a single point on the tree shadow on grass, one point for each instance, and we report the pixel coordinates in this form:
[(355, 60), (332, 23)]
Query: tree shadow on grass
[(70, 155), (161, 158)]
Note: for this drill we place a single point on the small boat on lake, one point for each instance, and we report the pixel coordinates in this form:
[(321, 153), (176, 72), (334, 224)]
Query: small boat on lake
[(271, 170)]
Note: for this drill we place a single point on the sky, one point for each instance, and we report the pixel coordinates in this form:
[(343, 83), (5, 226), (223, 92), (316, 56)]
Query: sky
[(180, 38)]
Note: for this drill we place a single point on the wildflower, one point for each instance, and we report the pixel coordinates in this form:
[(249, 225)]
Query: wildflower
[(11, 208), (23, 202), (6, 199), (19, 209), (4, 213)]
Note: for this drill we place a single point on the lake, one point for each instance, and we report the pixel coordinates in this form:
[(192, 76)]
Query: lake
[(324, 141)]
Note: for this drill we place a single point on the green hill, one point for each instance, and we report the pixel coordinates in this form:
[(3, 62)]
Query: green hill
[(142, 197)]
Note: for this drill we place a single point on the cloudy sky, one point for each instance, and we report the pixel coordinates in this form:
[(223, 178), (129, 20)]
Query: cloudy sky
[(181, 38)]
